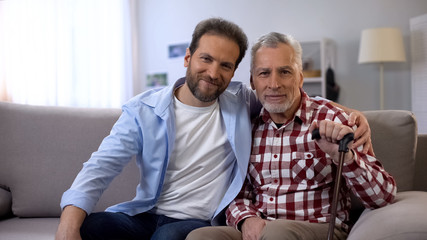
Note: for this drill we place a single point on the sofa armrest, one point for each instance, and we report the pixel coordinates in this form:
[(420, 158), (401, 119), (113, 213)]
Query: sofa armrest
[(420, 183), (5, 203), (405, 219)]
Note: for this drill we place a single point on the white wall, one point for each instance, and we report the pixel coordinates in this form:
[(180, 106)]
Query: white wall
[(164, 22)]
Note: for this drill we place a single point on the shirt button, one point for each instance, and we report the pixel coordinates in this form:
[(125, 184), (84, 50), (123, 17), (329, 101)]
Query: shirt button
[(271, 199), (276, 181), (275, 155), (277, 135)]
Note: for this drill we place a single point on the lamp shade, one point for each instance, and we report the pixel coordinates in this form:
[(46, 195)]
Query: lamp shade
[(381, 45)]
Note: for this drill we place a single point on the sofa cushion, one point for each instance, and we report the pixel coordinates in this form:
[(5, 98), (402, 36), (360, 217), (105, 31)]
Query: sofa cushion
[(404, 219), (28, 228), (42, 150), (394, 138)]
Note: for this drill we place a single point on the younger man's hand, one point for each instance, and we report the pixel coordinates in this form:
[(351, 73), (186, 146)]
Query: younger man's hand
[(362, 135)]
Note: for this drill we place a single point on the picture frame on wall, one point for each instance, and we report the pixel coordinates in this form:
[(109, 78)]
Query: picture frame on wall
[(157, 80), (177, 50)]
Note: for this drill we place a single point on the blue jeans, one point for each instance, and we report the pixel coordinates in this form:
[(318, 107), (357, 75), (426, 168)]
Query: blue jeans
[(107, 225)]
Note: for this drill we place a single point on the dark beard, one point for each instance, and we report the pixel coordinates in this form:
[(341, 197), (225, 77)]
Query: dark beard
[(193, 85)]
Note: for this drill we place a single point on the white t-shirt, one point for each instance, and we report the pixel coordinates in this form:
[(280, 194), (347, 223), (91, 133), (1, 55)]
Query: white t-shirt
[(200, 166)]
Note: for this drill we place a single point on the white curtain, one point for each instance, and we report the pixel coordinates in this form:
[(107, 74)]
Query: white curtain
[(66, 52)]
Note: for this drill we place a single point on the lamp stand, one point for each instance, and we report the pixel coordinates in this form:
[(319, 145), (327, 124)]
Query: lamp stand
[(381, 85)]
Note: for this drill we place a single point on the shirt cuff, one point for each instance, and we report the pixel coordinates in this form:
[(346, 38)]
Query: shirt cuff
[(355, 168), (77, 199)]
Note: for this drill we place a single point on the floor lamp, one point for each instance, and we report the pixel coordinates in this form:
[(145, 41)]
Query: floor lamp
[(380, 45)]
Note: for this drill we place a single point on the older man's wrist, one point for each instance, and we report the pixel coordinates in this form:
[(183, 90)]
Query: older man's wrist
[(240, 224)]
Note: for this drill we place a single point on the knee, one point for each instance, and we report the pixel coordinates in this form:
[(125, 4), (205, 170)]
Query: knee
[(178, 230), (91, 223), (214, 233), (200, 233), (167, 234), (91, 227), (289, 230), (101, 225)]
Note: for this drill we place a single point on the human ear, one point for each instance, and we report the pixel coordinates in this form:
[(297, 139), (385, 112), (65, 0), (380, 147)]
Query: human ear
[(301, 82), (252, 83), (187, 57)]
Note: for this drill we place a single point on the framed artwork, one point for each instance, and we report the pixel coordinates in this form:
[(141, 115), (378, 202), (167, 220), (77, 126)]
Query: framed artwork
[(157, 80), (178, 50)]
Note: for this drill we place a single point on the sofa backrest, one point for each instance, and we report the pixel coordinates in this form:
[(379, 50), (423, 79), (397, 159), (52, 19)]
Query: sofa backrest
[(394, 138), (43, 148)]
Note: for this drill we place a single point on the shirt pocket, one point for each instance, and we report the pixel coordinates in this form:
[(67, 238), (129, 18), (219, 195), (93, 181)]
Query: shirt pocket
[(255, 169), (310, 168)]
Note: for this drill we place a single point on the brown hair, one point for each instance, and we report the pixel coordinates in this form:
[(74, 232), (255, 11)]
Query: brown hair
[(221, 27)]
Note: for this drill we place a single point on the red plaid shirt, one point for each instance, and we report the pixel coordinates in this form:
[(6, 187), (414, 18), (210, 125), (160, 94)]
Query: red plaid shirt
[(289, 177)]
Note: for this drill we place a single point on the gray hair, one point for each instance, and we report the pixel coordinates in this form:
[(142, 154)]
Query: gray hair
[(271, 40)]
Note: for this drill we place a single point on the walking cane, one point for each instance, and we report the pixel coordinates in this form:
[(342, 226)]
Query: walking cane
[(342, 149)]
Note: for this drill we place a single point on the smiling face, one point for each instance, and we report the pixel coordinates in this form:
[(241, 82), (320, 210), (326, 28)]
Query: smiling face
[(209, 69), (277, 81)]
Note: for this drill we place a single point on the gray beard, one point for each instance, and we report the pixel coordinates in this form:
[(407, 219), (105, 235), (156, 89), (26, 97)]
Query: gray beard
[(276, 108)]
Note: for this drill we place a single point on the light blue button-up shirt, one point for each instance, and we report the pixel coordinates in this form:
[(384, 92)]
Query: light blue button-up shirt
[(146, 129)]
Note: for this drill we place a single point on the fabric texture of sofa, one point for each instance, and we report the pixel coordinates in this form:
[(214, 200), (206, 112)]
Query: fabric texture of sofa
[(42, 149)]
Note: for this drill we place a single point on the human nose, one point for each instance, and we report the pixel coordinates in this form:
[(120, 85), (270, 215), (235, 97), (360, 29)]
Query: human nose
[(213, 71), (273, 83)]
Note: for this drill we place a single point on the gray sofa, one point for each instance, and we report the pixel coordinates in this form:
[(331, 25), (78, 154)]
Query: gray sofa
[(42, 149)]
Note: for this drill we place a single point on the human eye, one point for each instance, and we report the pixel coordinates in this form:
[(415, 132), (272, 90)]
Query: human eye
[(285, 71), (206, 58), (263, 73), (228, 66)]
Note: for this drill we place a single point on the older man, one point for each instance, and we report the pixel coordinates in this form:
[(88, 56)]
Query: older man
[(288, 190)]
